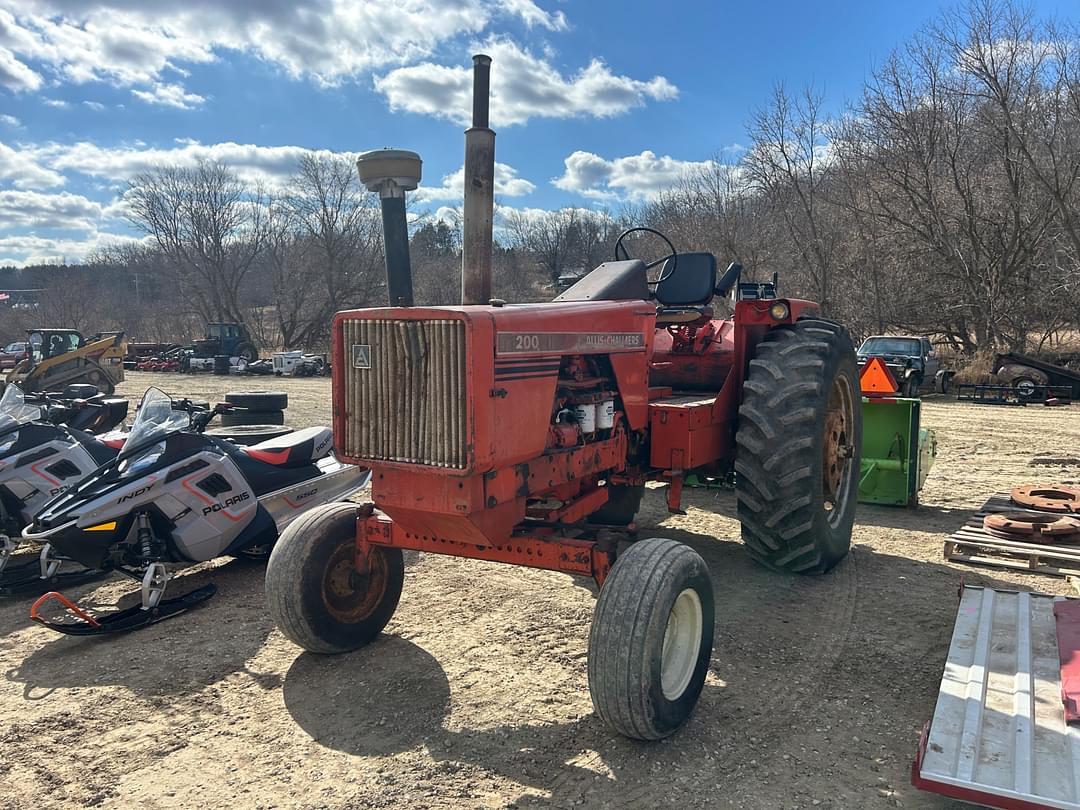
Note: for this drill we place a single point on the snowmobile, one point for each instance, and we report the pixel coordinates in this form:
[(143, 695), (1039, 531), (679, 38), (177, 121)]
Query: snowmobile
[(45, 447), (175, 494)]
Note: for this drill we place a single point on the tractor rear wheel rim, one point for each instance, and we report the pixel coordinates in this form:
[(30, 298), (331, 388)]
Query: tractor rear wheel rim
[(837, 449), (682, 644), (348, 595)]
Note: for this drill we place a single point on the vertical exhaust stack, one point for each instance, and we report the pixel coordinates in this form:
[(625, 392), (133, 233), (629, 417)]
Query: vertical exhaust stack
[(479, 208), (390, 173)]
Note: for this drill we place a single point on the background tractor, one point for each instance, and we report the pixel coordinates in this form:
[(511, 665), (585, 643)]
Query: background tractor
[(228, 339), (62, 357), (526, 434)]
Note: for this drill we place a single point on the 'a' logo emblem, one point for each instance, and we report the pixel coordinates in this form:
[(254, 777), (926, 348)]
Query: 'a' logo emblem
[(361, 355)]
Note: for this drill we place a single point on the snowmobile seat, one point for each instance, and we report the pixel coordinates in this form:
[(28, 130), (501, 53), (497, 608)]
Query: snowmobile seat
[(297, 449)]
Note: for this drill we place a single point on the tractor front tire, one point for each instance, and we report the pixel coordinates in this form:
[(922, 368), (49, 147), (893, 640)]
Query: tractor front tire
[(651, 639), (798, 448), (314, 592)]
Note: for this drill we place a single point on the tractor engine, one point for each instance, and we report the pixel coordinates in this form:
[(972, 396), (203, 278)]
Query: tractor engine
[(476, 418)]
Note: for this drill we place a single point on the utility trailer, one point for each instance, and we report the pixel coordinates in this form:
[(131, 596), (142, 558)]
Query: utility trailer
[(1030, 377), (526, 435)]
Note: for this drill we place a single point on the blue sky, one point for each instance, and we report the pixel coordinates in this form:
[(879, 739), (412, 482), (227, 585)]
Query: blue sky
[(597, 102)]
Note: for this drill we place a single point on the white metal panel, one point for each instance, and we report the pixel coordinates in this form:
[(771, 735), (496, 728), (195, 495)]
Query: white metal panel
[(999, 727)]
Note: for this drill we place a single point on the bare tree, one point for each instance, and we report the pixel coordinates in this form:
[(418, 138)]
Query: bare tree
[(339, 239), (788, 164), (209, 224)]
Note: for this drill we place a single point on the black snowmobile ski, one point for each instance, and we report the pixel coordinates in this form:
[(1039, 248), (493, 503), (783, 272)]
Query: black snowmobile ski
[(29, 577), (22, 580), (120, 621)]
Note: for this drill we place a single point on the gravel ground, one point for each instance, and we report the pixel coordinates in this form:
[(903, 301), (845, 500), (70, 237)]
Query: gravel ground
[(476, 696)]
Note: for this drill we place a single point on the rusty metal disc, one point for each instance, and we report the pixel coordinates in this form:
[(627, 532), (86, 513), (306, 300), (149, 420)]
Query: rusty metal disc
[(1033, 528), (1047, 497)]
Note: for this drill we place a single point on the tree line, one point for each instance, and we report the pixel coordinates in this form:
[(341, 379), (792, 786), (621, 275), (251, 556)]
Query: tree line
[(945, 200)]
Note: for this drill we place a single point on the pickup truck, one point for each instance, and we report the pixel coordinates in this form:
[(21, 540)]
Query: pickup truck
[(912, 361), (13, 354)]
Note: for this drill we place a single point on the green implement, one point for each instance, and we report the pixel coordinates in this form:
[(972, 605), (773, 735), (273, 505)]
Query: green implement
[(896, 452)]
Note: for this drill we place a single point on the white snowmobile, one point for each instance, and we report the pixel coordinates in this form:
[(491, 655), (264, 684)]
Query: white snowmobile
[(46, 445), (177, 495)]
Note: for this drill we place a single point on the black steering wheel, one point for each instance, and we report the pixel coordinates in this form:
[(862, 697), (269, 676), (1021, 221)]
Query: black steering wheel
[(625, 255)]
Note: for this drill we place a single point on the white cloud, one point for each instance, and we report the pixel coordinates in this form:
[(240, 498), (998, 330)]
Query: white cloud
[(507, 184), (32, 209), (634, 177), (22, 250), (169, 95), (58, 103), (14, 75), (96, 106), (269, 165), (523, 86), (10, 121), (138, 43), (20, 168), (532, 15)]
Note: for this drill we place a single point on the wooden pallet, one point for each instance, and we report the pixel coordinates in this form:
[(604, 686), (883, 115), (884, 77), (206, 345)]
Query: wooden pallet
[(971, 544)]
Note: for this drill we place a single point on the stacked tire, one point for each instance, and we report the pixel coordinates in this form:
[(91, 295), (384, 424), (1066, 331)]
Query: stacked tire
[(255, 408)]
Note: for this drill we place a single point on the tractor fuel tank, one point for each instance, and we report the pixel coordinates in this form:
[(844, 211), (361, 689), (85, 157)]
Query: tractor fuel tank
[(686, 358)]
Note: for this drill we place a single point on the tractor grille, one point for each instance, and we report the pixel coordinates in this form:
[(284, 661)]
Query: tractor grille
[(405, 391)]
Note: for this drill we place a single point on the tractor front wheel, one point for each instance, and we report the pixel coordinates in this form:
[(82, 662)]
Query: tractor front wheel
[(798, 448), (651, 639), (314, 592)]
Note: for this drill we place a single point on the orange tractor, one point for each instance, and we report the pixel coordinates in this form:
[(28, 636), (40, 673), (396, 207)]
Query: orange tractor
[(526, 434)]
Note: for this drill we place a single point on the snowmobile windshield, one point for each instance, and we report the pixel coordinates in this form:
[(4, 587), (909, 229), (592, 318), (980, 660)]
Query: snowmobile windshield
[(15, 410), (155, 420)]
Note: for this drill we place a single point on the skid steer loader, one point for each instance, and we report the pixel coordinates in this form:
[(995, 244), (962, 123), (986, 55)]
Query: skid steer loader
[(62, 357)]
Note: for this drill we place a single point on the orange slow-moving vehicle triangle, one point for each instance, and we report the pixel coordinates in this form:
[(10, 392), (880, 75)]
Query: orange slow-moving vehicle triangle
[(875, 378)]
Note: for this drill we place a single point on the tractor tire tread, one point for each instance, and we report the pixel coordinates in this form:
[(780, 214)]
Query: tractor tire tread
[(779, 449), (630, 618), (293, 572)]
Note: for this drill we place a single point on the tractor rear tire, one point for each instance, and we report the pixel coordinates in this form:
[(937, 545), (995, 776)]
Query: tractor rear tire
[(623, 503), (798, 448), (314, 593), (247, 351), (651, 639)]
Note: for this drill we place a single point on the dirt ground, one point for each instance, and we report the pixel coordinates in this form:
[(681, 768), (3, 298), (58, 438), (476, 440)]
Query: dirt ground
[(476, 696)]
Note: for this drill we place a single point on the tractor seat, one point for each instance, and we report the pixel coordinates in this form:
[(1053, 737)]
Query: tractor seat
[(686, 289), (297, 449)]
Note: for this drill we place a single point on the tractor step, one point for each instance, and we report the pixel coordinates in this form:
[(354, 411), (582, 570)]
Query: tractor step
[(121, 621), (999, 735)]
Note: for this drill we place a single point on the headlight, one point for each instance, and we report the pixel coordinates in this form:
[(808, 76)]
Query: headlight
[(132, 466), (779, 311)]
